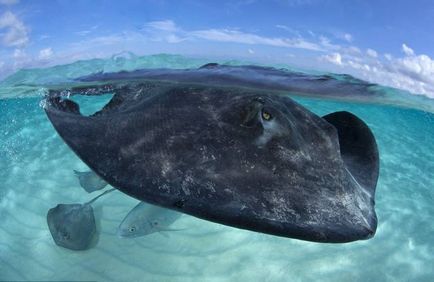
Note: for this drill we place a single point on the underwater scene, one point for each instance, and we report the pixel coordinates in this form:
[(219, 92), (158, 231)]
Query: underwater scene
[(39, 171), (190, 142)]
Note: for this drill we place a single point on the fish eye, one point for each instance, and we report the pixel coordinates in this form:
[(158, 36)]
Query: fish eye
[(131, 229), (155, 223), (266, 115)]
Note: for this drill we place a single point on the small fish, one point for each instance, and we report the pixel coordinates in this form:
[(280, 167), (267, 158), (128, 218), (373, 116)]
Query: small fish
[(145, 219), (90, 181), (72, 226)]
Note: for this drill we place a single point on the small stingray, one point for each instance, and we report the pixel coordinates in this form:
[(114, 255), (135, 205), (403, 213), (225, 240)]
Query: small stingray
[(72, 226), (90, 181), (145, 219)]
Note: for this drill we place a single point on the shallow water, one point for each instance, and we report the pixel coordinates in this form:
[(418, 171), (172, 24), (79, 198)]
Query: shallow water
[(36, 174)]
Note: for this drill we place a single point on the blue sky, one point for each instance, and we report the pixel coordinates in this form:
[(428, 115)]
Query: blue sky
[(388, 42)]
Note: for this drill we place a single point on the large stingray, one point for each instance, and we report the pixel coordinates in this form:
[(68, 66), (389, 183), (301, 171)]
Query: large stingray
[(342, 86), (243, 157)]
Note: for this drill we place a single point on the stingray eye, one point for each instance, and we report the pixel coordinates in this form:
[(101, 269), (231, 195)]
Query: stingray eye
[(155, 223), (266, 115), (131, 229)]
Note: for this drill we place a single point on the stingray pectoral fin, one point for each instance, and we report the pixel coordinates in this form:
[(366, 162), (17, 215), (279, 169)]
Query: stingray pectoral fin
[(358, 148), (88, 137), (64, 105)]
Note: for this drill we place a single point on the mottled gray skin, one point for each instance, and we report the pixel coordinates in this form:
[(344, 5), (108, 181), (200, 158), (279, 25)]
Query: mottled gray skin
[(209, 152), (90, 181), (342, 85), (145, 219), (72, 226)]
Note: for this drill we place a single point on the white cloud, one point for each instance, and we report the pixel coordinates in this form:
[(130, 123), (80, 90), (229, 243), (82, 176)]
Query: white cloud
[(20, 59), (353, 50), (165, 30), (372, 53), (9, 2), (235, 36), (19, 54), (45, 54), (348, 37), (16, 32), (289, 29), (250, 51), (334, 58), (83, 32), (414, 73), (284, 27), (326, 43), (168, 31), (407, 50), (173, 38), (420, 68), (166, 25), (86, 31)]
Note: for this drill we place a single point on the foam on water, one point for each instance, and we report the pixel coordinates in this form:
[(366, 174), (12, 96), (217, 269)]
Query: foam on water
[(36, 173)]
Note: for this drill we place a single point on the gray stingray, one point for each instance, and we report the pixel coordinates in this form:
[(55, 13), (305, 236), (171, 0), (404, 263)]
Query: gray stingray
[(242, 156), (328, 85), (72, 226), (145, 219), (90, 181)]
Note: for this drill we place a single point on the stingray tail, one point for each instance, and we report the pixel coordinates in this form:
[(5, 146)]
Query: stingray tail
[(100, 195)]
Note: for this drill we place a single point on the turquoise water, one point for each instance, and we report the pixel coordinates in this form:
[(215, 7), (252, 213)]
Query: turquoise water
[(36, 173)]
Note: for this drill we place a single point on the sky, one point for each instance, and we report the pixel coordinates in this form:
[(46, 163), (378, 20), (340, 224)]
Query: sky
[(382, 41)]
